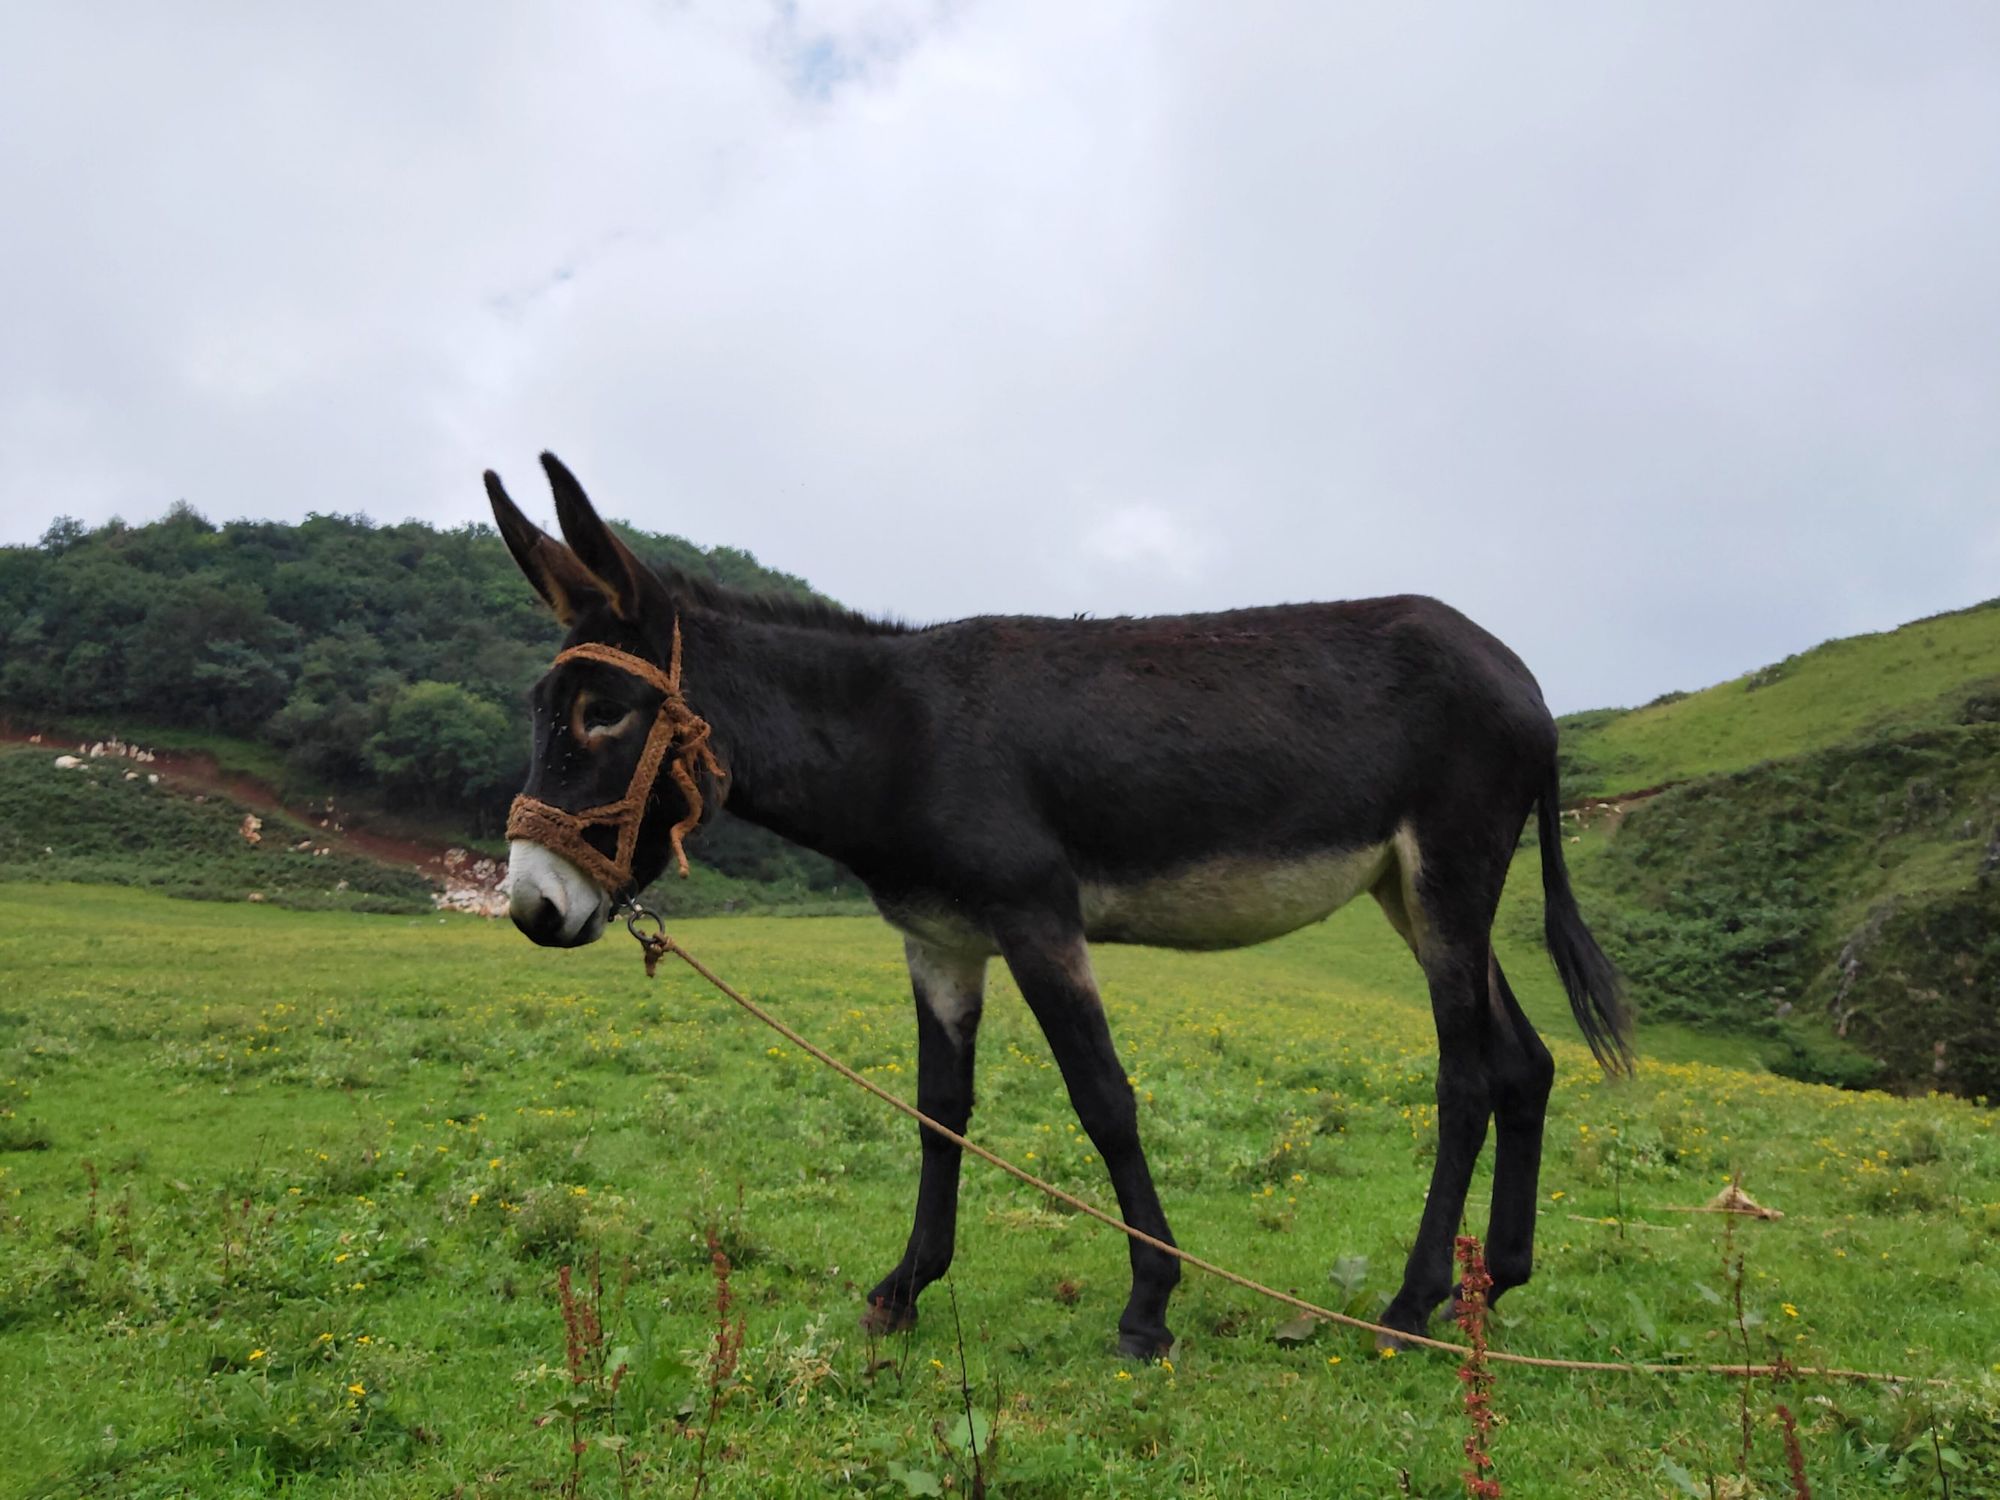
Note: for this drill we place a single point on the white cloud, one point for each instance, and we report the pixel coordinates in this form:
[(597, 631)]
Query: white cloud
[(1145, 539), (1659, 341)]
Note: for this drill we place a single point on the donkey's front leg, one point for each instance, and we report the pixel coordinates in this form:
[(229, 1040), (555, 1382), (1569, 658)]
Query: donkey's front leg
[(1051, 963), (949, 988)]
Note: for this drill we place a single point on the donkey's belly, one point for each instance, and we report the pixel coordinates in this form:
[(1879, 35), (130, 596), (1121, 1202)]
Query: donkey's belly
[(1227, 903)]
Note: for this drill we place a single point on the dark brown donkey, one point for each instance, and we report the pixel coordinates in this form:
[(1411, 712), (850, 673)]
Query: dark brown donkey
[(1026, 787)]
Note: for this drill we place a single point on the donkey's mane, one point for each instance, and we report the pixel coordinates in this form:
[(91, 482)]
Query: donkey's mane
[(812, 613)]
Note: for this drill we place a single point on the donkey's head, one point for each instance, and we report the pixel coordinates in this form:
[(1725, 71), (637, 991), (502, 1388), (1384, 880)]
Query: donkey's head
[(617, 752)]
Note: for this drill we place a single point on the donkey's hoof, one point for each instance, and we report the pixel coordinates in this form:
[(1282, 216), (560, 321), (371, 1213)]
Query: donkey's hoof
[(879, 1317), (1401, 1323), (1147, 1348)]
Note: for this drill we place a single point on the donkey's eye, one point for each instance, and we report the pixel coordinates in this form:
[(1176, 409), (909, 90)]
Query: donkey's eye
[(603, 713), (594, 720)]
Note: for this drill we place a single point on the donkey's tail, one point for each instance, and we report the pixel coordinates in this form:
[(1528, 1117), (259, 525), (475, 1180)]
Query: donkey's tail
[(1595, 995)]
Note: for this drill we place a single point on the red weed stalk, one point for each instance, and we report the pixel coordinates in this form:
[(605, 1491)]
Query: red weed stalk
[(583, 1341), (1477, 1375), (593, 1390), (1795, 1457), (722, 1363), (583, 1333)]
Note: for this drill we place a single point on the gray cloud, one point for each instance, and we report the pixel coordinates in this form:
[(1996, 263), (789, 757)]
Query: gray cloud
[(1662, 341)]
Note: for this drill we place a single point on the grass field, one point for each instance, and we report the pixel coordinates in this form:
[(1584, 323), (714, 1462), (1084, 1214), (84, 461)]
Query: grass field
[(285, 1197)]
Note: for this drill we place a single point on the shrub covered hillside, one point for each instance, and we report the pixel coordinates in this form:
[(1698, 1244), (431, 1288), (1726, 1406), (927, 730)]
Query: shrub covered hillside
[(1825, 871), (1847, 902), (386, 663)]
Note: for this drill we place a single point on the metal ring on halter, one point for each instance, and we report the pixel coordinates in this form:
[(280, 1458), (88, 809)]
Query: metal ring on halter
[(635, 913)]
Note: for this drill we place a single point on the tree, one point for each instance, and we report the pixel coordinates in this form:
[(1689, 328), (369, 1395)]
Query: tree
[(440, 746), (64, 533)]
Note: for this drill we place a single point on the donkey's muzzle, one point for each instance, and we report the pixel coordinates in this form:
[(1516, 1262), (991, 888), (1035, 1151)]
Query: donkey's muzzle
[(546, 923), (552, 901)]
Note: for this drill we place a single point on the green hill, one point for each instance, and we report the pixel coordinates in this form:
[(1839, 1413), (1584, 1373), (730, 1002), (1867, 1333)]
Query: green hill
[(1821, 878), (384, 664), (1932, 671), (1824, 872)]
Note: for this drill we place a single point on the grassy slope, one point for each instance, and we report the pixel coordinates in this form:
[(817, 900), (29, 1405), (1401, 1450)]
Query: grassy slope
[(1823, 852), (340, 1158), (1913, 675), (95, 824)]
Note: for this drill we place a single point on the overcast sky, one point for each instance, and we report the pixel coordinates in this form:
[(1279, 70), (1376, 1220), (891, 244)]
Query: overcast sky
[(1662, 340)]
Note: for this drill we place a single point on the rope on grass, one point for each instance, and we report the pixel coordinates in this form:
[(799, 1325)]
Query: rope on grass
[(659, 944)]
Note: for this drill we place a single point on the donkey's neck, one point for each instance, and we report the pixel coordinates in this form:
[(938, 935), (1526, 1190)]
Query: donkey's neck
[(791, 706)]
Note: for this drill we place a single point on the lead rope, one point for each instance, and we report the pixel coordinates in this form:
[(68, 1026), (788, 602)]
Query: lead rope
[(657, 944)]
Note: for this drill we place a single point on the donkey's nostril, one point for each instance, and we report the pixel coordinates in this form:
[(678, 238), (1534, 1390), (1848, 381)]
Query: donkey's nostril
[(540, 918)]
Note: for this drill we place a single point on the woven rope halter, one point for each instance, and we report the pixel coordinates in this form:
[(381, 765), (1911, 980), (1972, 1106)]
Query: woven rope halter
[(677, 740)]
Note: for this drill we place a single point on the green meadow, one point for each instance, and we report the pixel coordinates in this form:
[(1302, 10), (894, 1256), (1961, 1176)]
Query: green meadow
[(286, 1199)]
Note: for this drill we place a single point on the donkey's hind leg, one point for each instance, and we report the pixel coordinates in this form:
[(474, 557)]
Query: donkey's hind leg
[(950, 989), (1465, 1104), (1445, 912), (1522, 1073)]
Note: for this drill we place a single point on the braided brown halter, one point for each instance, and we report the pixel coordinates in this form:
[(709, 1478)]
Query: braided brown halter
[(678, 739)]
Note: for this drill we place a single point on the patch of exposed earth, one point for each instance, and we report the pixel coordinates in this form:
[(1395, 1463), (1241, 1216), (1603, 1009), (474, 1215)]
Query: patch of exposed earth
[(463, 879)]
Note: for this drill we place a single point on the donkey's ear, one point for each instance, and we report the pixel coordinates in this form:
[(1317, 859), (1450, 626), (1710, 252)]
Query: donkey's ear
[(551, 567), (619, 575)]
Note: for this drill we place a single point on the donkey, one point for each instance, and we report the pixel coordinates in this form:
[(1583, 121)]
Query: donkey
[(1025, 787)]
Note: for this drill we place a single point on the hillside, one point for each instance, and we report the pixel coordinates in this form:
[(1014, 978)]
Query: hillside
[(383, 665), (186, 831), (1932, 671), (1824, 871), (1819, 880), (113, 822)]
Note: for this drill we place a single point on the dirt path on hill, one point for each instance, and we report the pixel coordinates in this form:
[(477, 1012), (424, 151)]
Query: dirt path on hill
[(1589, 810), (467, 880)]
